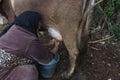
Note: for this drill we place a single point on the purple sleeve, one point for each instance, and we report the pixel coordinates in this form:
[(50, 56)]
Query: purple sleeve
[(38, 52)]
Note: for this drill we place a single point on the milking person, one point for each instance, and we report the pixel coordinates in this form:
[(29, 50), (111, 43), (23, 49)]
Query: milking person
[(20, 48)]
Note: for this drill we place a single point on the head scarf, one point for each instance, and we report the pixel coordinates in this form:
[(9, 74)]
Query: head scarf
[(28, 20)]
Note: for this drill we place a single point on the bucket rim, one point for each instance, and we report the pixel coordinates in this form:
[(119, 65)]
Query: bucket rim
[(53, 61)]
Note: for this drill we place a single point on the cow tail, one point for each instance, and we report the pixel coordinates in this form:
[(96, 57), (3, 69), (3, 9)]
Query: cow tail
[(84, 24)]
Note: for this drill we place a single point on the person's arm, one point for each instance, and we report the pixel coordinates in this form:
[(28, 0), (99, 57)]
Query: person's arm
[(40, 53)]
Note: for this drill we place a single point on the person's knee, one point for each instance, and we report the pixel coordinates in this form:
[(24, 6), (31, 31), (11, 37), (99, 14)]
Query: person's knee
[(30, 69), (24, 72)]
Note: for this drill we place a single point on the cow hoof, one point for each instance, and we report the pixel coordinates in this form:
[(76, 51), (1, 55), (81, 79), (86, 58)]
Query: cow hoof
[(66, 75)]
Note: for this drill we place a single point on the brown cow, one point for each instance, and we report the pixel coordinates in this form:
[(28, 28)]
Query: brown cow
[(66, 20)]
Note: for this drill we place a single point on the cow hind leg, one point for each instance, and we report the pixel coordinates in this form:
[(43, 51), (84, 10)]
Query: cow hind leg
[(67, 74), (73, 52), (82, 40), (71, 45)]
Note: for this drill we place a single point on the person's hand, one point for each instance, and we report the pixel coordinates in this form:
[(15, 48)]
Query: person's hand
[(52, 42), (55, 46)]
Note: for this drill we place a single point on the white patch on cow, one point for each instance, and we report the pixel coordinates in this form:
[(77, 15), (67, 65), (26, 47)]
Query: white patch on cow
[(93, 2), (55, 33), (13, 5)]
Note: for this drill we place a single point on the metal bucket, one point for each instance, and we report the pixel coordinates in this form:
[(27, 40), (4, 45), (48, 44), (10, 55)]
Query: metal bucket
[(48, 70)]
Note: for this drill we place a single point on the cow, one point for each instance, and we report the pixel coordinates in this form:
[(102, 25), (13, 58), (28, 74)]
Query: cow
[(66, 20)]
